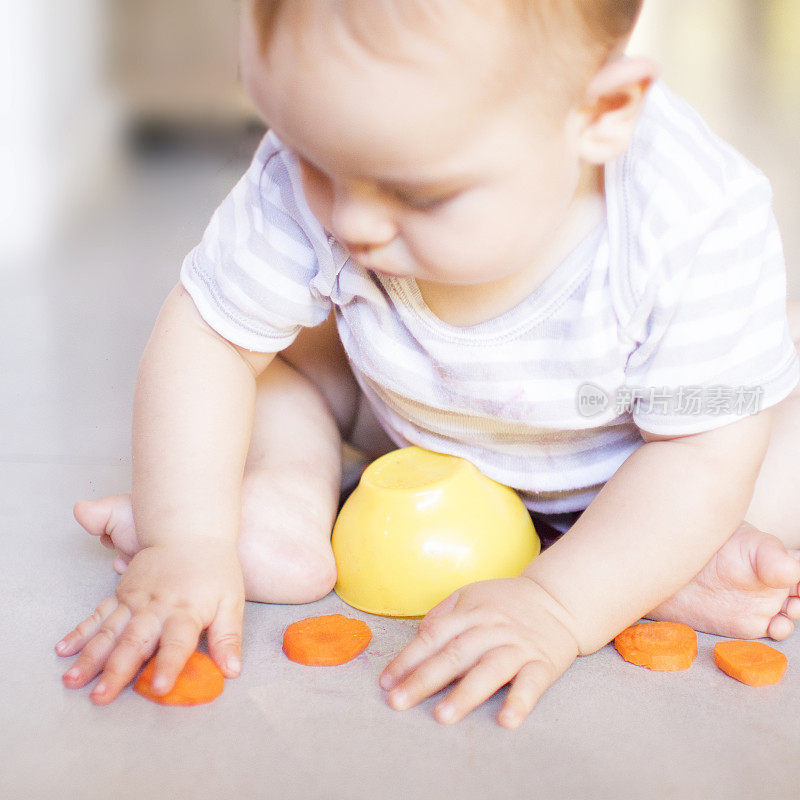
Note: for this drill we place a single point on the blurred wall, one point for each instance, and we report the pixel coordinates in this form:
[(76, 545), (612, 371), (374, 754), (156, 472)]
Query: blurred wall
[(177, 61), (60, 124)]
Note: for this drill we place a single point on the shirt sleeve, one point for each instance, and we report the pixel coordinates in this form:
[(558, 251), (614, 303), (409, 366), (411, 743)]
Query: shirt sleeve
[(716, 344), (264, 268)]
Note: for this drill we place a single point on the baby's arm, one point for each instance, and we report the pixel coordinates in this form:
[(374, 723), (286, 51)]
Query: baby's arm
[(192, 419), (652, 527), (193, 415)]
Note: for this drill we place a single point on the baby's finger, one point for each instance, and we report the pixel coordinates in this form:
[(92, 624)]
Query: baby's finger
[(494, 670), (531, 683), (134, 646), (446, 605), (179, 638), (95, 652), (224, 637), (432, 635), (454, 659), (87, 628)]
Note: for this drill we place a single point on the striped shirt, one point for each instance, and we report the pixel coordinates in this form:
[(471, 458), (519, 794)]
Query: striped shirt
[(669, 316)]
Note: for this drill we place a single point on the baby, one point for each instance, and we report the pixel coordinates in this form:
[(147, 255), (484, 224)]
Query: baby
[(478, 227)]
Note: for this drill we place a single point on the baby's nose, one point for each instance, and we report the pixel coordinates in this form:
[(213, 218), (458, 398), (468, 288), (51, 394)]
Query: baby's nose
[(361, 221)]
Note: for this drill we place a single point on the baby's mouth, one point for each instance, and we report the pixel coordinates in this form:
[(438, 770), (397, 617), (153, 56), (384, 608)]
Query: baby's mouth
[(379, 270)]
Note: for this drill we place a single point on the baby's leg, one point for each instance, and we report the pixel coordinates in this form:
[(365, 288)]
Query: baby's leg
[(750, 587), (307, 399), (775, 506)]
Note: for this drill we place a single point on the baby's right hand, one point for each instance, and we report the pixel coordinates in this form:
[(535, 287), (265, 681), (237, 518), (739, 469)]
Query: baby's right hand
[(166, 597)]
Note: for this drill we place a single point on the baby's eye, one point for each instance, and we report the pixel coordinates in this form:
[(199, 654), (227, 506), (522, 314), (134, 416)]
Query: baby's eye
[(417, 203), (424, 203)]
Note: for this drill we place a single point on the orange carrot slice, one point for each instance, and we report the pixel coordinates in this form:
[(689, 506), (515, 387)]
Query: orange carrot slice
[(658, 645), (200, 681), (753, 663), (326, 641)]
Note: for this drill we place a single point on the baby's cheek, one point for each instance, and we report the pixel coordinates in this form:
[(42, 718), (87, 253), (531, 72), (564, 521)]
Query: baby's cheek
[(479, 237), (465, 254), (440, 246)]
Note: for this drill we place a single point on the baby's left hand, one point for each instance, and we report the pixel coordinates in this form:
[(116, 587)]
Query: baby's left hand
[(495, 631)]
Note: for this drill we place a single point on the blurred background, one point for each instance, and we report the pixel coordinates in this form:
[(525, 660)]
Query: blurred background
[(124, 124)]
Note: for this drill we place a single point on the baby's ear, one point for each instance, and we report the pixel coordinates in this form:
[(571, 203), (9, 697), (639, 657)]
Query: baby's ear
[(614, 99)]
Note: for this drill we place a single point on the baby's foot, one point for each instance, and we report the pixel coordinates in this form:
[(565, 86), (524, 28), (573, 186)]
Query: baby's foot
[(748, 590), (112, 520)]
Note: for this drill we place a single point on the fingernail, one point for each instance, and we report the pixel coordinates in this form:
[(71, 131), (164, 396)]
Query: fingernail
[(509, 718), (159, 683), (386, 680), (400, 699), (99, 689), (72, 674), (446, 712), (233, 664), (61, 646)]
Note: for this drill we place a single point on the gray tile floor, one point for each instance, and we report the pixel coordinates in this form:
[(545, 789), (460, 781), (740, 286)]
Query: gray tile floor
[(73, 330)]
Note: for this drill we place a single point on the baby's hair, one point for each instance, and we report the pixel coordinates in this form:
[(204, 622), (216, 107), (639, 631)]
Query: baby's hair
[(608, 22), (598, 28), (595, 29)]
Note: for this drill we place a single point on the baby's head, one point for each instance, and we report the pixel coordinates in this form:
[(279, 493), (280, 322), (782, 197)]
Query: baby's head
[(445, 139)]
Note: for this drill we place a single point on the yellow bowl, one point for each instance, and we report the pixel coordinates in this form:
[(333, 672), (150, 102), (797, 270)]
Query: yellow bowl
[(420, 525)]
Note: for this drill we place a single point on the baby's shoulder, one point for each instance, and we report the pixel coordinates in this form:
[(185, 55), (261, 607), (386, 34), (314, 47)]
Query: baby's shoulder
[(678, 176), (280, 210), (680, 201), (274, 175)]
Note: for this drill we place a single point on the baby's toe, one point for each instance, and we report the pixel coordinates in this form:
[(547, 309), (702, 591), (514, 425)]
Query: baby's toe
[(774, 565), (792, 607), (89, 514), (110, 518), (780, 627), (120, 565)]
